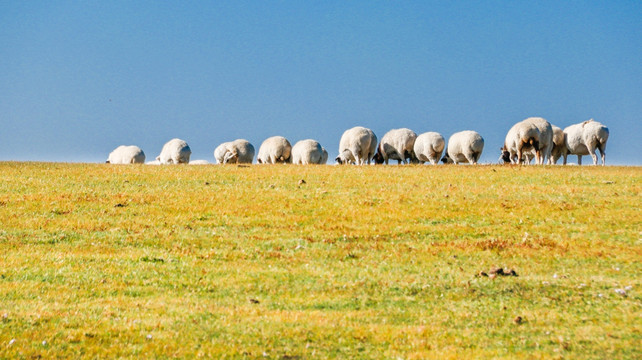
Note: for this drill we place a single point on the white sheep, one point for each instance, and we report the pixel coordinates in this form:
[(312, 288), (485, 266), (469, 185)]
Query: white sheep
[(175, 151), (275, 149), (522, 137), (464, 146), (429, 147), (324, 158), (584, 138), (199, 162), (396, 144), (357, 146), (559, 144), (219, 152), (307, 152), (239, 151), (546, 135), (131, 154)]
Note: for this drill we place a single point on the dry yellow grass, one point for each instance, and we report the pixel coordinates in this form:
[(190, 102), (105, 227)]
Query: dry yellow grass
[(355, 262)]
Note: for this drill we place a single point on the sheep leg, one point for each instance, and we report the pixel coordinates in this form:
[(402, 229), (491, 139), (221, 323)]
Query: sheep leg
[(471, 159), (592, 153), (603, 154), (579, 159)]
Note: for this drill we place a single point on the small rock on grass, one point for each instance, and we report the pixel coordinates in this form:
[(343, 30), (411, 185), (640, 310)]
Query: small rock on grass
[(494, 272)]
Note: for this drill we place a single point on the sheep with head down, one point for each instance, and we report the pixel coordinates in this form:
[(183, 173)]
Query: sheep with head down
[(123, 154), (559, 145), (429, 147), (357, 146), (239, 151), (306, 152), (396, 144), (275, 149), (175, 151), (546, 135), (522, 137), (464, 146)]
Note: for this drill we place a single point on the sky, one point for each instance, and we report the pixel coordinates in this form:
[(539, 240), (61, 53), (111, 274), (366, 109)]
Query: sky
[(79, 78)]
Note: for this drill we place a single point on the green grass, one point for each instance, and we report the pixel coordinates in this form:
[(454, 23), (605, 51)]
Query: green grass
[(357, 262)]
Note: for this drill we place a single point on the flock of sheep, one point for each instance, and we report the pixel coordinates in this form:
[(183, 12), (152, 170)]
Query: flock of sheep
[(533, 138)]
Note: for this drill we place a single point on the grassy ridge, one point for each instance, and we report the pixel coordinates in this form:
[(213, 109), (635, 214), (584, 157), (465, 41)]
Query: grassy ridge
[(360, 262)]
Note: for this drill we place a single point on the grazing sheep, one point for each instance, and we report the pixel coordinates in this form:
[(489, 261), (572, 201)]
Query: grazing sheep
[(275, 149), (584, 138), (306, 152), (521, 137), (396, 144), (126, 155), (357, 146), (199, 162), (175, 151), (153, 162), (219, 152), (559, 145), (464, 146), (239, 151), (546, 143), (428, 147)]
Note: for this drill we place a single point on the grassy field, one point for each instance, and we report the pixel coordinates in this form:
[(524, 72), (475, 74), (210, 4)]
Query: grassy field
[(352, 262)]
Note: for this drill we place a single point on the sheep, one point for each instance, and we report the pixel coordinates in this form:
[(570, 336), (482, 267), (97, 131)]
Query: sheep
[(357, 146), (428, 147), (396, 144), (219, 152), (198, 162), (584, 138), (546, 143), (131, 154), (521, 137), (464, 146), (307, 152), (239, 151), (175, 151), (275, 149), (559, 145)]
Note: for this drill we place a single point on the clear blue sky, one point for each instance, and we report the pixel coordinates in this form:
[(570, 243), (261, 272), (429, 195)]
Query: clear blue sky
[(78, 78)]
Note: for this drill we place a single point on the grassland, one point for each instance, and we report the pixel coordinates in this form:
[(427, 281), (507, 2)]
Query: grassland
[(103, 261)]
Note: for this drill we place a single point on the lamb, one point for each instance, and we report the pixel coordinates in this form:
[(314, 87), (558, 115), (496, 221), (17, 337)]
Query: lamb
[(559, 145), (464, 146), (175, 151), (307, 152), (275, 149), (584, 139), (357, 146), (239, 151), (126, 155), (396, 144), (522, 137), (428, 147)]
